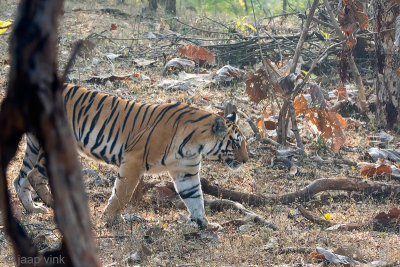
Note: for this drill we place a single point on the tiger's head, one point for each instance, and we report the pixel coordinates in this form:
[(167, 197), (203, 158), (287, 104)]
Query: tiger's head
[(229, 143)]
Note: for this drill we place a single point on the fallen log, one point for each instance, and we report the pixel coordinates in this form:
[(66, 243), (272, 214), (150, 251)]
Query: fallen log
[(364, 186)]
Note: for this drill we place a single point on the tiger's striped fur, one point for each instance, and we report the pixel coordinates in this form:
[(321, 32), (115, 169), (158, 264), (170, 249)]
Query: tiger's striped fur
[(139, 138)]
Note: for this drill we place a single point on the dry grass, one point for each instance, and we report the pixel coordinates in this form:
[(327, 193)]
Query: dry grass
[(245, 246)]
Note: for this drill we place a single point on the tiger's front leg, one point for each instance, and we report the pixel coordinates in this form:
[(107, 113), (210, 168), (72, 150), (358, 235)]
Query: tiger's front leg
[(128, 178), (189, 189)]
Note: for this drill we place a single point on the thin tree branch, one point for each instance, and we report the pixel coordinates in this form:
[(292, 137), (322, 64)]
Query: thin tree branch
[(303, 36)]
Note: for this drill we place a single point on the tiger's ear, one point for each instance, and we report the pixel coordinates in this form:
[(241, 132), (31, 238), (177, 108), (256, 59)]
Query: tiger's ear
[(233, 117), (219, 127)]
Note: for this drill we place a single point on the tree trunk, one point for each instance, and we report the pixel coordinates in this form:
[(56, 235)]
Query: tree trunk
[(153, 5), (387, 68), (33, 103), (170, 7), (284, 6)]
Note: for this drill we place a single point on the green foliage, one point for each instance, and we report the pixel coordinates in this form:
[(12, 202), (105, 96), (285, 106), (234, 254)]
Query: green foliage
[(322, 149), (243, 7)]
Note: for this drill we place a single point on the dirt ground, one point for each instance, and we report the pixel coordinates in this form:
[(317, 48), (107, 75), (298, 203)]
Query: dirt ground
[(163, 238)]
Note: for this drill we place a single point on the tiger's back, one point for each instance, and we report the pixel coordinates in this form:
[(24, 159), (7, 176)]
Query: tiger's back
[(141, 138)]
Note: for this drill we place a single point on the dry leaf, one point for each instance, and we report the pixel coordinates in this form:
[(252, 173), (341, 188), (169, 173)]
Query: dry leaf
[(341, 93), (329, 124), (317, 96), (113, 27), (197, 53), (383, 169), (316, 255), (368, 171), (261, 127), (387, 221), (300, 104), (263, 80), (255, 86), (178, 63), (351, 16), (228, 73)]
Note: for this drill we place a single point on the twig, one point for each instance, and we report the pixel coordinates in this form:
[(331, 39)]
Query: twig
[(303, 36), (202, 30), (77, 48), (332, 225), (300, 250), (258, 38), (223, 204), (322, 22), (282, 15), (313, 218), (295, 129), (300, 86), (334, 161)]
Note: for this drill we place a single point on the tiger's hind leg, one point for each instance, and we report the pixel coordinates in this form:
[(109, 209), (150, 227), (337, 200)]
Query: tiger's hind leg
[(39, 181), (188, 186), (128, 178), (21, 183)]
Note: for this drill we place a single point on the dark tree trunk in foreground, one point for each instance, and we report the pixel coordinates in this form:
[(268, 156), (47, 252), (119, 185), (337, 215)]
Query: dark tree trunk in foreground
[(387, 67), (33, 104), (170, 7)]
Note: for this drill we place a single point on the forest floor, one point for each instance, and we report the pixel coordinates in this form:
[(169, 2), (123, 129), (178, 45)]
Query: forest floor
[(163, 238)]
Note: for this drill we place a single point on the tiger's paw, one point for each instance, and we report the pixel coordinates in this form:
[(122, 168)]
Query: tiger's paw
[(202, 223)]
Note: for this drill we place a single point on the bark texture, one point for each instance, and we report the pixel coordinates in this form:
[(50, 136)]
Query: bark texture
[(33, 104), (387, 84)]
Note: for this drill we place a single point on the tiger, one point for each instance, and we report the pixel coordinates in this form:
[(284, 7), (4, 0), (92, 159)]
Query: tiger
[(139, 139)]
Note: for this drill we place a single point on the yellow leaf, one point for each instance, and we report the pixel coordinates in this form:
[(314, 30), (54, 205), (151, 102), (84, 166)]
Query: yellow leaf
[(94, 167), (326, 217), (353, 168), (325, 34), (397, 165), (312, 75), (5, 25), (250, 26), (164, 226)]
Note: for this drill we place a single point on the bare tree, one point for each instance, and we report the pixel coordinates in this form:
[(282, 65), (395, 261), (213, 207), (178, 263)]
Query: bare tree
[(33, 104), (153, 5)]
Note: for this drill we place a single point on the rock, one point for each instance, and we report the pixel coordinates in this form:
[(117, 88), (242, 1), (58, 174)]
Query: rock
[(133, 258), (270, 246), (109, 84), (244, 228), (132, 218)]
